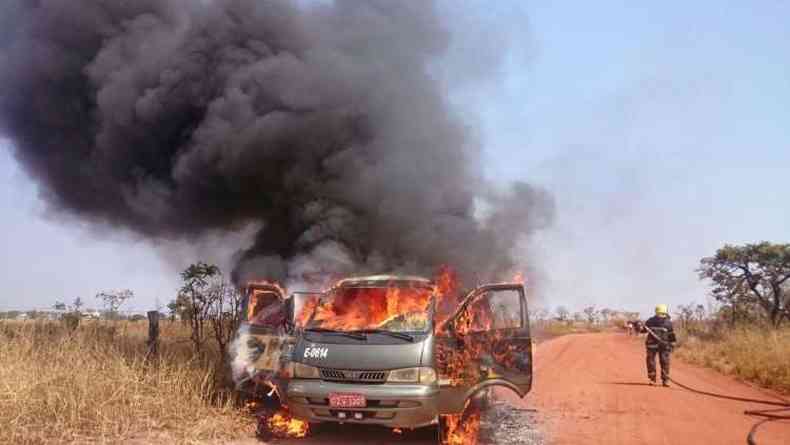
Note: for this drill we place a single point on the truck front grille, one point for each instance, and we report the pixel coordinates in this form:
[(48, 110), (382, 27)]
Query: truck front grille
[(342, 375)]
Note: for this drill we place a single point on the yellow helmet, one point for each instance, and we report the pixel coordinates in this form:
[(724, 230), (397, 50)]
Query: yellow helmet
[(662, 310)]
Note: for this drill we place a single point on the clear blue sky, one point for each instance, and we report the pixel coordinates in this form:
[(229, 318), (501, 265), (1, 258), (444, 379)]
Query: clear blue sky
[(662, 130)]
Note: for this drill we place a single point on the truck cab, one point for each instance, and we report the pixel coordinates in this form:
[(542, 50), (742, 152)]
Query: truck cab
[(373, 350)]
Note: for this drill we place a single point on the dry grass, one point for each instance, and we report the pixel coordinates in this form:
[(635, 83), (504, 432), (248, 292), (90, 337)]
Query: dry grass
[(94, 385), (755, 354)]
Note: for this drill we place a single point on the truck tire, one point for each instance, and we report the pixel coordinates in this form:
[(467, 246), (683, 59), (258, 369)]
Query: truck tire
[(483, 399), (317, 428)]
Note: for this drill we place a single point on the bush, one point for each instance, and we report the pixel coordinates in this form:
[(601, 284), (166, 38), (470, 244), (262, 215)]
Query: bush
[(753, 353), (71, 320)]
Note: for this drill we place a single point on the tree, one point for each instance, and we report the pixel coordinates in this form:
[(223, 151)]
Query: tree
[(591, 314), (77, 304), (540, 314), (752, 274), (210, 304), (685, 312), (182, 307), (9, 315), (699, 312), (196, 293), (114, 299), (562, 313), (606, 313), (172, 309), (71, 318), (33, 315), (224, 314)]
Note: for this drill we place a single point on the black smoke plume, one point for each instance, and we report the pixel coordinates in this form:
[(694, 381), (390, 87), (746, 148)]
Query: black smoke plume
[(321, 123)]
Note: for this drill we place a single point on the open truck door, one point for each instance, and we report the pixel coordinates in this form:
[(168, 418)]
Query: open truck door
[(264, 337), (485, 343), (265, 307)]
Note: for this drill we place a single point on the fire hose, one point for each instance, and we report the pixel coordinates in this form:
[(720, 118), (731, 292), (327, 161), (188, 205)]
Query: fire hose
[(768, 415)]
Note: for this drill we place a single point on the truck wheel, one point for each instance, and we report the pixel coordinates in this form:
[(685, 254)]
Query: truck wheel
[(482, 400), (317, 428), (461, 422), (262, 430)]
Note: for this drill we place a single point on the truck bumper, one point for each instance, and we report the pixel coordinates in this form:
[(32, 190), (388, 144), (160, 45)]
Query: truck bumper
[(391, 405)]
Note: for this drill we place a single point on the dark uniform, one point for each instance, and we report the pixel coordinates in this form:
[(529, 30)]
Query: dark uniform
[(662, 327)]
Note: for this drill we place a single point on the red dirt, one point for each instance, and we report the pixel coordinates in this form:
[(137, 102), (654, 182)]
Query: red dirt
[(592, 389)]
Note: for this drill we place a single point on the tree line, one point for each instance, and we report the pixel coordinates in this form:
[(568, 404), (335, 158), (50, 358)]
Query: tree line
[(206, 302), (591, 315), (750, 284)]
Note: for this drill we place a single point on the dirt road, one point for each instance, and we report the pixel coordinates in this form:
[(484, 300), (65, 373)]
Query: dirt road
[(592, 389)]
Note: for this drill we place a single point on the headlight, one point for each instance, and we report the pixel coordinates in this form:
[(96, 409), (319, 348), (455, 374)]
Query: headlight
[(302, 371), (425, 376)]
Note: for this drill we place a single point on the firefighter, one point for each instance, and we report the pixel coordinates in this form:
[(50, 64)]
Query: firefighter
[(659, 341)]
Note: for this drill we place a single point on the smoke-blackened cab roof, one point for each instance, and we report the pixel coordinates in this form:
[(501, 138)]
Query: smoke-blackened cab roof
[(384, 280)]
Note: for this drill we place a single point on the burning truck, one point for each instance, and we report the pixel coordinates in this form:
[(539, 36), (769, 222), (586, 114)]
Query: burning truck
[(397, 351), (311, 136)]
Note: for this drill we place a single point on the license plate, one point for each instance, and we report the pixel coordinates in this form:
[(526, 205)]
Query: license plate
[(337, 400)]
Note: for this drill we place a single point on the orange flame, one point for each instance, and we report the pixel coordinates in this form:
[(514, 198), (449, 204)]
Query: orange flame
[(457, 365), (462, 429), (447, 294), (281, 425), (446, 281), (306, 311), (367, 308), (252, 405)]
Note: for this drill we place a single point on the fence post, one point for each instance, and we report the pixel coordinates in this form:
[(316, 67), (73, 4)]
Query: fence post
[(153, 334)]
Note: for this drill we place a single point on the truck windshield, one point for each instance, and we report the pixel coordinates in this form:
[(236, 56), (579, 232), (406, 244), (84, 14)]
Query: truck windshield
[(394, 309)]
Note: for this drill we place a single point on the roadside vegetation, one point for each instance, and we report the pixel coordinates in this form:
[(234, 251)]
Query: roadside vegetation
[(561, 321), (85, 380), (751, 353), (745, 330)]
